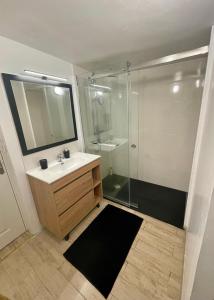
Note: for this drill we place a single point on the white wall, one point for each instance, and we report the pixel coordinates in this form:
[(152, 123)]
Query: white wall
[(202, 181), (167, 125), (15, 58), (203, 287)]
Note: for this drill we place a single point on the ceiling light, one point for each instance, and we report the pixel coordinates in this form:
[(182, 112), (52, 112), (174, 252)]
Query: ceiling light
[(59, 91), (175, 88), (42, 75), (197, 83)]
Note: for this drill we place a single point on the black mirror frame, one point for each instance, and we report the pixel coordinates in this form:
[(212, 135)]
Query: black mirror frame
[(13, 107)]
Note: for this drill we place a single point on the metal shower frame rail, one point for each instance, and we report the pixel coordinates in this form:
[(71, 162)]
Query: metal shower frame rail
[(181, 56)]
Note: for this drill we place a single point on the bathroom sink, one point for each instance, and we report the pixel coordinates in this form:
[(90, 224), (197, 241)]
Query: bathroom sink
[(67, 164), (57, 170)]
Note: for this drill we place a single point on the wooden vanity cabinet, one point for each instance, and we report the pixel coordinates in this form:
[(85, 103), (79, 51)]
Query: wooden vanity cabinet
[(61, 205)]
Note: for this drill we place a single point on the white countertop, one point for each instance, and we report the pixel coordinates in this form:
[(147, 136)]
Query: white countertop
[(56, 170)]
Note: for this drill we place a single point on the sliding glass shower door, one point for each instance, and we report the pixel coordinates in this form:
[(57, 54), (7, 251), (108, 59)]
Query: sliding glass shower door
[(164, 108), (165, 102), (143, 124), (104, 109)]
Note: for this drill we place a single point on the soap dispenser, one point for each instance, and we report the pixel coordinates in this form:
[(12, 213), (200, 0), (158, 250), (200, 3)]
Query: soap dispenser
[(43, 163)]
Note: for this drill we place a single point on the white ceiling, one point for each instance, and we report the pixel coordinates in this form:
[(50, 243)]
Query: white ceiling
[(101, 35)]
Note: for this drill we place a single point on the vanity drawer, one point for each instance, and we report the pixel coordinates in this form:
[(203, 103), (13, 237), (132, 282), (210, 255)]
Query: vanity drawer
[(71, 193), (76, 213)]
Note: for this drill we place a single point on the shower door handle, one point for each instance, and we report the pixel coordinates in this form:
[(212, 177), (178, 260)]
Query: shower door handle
[(1, 169), (133, 146)]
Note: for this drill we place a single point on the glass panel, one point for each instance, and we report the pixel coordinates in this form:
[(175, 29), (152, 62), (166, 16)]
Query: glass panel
[(134, 98), (164, 110), (144, 125), (104, 110)]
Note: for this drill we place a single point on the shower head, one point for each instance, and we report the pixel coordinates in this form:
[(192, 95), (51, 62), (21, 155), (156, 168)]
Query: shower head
[(92, 80)]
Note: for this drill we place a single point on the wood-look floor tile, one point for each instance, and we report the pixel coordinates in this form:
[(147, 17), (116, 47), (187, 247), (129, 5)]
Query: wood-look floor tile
[(124, 290), (164, 226), (175, 281), (44, 295), (164, 233), (181, 233), (80, 282), (7, 251), (178, 253), (4, 252), (22, 278), (112, 297), (170, 262), (146, 280), (2, 297), (7, 288), (22, 239), (173, 293), (135, 242), (155, 241), (70, 293), (46, 252), (67, 270), (47, 272), (36, 269), (143, 262), (59, 245)]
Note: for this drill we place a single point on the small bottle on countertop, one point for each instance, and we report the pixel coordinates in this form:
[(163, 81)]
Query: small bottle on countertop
[(66, 153)]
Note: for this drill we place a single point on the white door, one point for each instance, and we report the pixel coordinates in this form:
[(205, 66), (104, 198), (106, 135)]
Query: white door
[(11, 224)]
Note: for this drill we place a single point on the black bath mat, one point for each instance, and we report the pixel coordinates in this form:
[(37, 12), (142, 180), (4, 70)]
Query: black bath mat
[(100, 251)]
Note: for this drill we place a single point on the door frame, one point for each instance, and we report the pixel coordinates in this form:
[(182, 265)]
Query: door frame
[(9, 171)]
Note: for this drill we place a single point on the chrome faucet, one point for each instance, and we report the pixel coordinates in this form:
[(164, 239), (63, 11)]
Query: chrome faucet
[(60, 158)]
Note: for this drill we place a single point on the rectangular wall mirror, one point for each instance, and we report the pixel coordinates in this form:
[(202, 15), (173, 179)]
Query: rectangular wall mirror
[(43, 112)]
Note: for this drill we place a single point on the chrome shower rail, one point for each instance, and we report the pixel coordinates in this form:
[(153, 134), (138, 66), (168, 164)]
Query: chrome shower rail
[(181, 56)]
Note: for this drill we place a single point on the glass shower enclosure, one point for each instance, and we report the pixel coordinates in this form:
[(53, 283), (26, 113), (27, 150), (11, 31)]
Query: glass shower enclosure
[(105, 118), (143, 124)]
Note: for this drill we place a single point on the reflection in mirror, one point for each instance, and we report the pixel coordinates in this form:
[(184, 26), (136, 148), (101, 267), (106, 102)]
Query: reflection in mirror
[(45, 112)]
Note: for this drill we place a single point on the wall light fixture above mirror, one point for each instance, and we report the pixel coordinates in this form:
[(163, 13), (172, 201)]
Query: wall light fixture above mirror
[(43, 112)]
